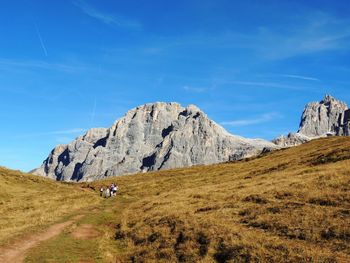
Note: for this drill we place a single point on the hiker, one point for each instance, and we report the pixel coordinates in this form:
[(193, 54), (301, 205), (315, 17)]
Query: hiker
[(101, 191), (108, 194), (115, 189), (111, 189)]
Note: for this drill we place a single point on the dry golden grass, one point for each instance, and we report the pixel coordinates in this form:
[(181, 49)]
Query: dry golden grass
[(291, 205), (29, 203)]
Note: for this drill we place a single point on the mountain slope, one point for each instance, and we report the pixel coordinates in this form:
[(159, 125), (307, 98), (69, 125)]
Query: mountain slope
[(291, 205), (29, 203), (150, 137)]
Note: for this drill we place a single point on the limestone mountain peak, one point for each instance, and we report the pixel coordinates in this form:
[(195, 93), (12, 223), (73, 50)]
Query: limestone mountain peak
[(149, 137)]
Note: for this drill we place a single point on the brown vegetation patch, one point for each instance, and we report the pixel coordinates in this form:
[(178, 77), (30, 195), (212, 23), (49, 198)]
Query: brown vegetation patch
[(228, 253), (279, 167), (322, 201), (283, 195), (206, 209), (255, 199), (332, 157)]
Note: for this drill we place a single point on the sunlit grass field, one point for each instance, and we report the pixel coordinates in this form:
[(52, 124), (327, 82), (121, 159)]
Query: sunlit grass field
[(29, 203), (291, 205)]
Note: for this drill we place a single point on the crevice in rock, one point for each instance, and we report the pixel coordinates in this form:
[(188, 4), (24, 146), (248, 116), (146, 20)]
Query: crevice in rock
[(167, 131), (196, 115), (148, 161), (167, 155), (183, 113), (77, 174), (101, 142), (152, 112), (64, 157)]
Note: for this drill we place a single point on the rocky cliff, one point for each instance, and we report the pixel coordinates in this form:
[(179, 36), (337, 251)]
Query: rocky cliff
[(150, 137), (319, 119)]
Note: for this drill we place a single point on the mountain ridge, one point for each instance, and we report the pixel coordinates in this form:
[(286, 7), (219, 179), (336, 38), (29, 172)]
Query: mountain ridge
[(160, 135), (153, 136)]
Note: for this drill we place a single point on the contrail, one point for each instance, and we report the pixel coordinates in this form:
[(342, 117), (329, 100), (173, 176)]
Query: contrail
[(299, 77), (93, 113), (40, 38)]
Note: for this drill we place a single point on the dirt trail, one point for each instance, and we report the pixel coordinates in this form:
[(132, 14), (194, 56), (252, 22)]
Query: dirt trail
[(16, 251), (85, 231)]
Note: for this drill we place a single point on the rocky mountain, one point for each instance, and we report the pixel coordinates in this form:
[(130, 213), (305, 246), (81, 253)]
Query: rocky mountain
[(150, 137), (319, 119)]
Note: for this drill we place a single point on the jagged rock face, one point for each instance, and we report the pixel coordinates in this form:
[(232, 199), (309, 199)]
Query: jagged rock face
[(150, 137), (344, 124), (327, 117), (320, 118)]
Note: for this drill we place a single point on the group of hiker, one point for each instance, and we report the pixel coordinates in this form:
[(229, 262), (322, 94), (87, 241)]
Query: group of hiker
[(109, 191)]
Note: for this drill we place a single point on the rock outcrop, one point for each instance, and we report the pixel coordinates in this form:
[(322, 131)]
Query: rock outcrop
[(292, 139), (344, 124), (319, 119), (150, 137)]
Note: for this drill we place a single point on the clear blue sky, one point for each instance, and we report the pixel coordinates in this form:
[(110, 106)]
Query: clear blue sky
[(66, 66)]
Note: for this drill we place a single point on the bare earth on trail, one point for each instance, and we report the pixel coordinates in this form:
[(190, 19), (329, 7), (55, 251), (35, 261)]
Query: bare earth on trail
[(17, 250), (86, 231)]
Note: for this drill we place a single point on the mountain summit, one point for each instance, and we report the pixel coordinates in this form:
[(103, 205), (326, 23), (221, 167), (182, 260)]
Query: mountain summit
[(319, 119), (150, 137)]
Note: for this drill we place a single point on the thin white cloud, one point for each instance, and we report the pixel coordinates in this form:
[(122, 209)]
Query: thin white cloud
[(68, 131), (194, 89), (299, 77), (315, 32), (267, 85), (74, 131), (300, 36), (246, 122), (108, 19), (40, 39), (42, 65)]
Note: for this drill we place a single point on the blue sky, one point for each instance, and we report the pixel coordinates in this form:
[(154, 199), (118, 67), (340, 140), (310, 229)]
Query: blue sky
[(66, 66)]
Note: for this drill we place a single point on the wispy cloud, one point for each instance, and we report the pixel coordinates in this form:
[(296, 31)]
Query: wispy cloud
[(311, 33), (194, 89), (73, 131), (316, 32), (299, 77), (68, 131), (40, 39), (267, 85), (259, 119), (109, 19), (42, 65)]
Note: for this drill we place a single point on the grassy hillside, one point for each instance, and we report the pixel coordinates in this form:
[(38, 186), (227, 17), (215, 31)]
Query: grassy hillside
[(29, 203), (291, 205)]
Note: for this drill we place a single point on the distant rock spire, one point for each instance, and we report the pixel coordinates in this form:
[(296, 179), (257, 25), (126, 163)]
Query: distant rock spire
[(327, 117), (320, 118)]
